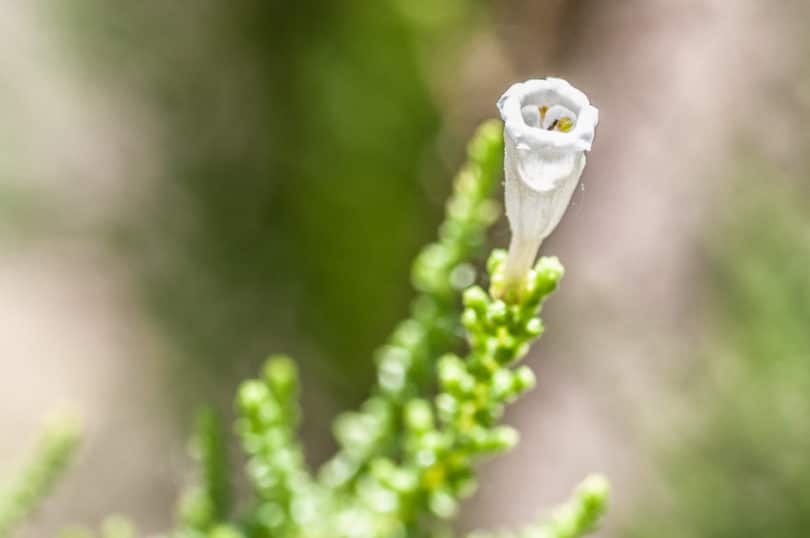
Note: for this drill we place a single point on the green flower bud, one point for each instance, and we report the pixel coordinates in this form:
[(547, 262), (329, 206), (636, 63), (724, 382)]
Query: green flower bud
[(534, 327), (269, 412), (477, 299), (394, 363), (495, 261), (450, 231), (506, 348), (409, 334), (252, 394), (443, 504), (418, 416), (453, 375), (503, 384), (488, 212), (195, 509), (354, 430), (498, 439), (402, 481), (447, 406), (470, 321), (594, 491), (271, 515), (465, 485), (281, 375), (547, 273), (497, 313), (523, 379)]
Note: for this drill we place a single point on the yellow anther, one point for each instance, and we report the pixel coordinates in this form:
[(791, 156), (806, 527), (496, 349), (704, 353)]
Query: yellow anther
[(433, 476), (565, 124), (543, 109)]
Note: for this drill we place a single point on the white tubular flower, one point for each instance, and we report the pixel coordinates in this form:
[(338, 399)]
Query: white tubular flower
[(549, 125)]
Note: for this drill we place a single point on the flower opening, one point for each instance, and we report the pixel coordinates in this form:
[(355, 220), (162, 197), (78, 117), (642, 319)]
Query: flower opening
[(548, 127)]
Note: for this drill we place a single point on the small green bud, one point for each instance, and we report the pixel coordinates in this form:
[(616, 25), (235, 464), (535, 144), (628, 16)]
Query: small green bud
[(269, 412), (489, 414), (524, 379), (337, 471), (458, 208), (262, 473), (284, 457), (503, 384), (495, 261), (382, 468), (281, 375), (405, 481), (195, 509), (504, 438), (498, 285), (547, 273), (462, 276), (487, 143), (534, 327), (394, 363), (469, 319), (594, 491), (435, 441), (477, 299), (418, 416), (271, 515), (442, 504), (506, 348), (252, 394), (466, 485), (497, 312), (424, 309), (429, 268), (250, 440), (488, 211), (453, 375), (409, 334), (447, 406), (349, 429), (394, 478), (498, 439), (580, 514), (450, 230)]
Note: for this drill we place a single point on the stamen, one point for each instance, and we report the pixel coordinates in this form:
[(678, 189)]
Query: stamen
[(555, 118), (564, 124)]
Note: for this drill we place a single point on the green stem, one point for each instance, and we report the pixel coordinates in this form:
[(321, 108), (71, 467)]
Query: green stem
[(51, 457)]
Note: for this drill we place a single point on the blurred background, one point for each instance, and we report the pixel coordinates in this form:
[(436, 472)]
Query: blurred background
[(186, 187)]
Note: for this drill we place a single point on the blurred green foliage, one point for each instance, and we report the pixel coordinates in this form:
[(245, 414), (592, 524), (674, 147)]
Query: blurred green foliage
[(577, 517), (742, 468), (48, 461), (298, 141)]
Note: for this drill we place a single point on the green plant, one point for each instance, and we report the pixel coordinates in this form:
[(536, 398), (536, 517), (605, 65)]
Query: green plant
[(50, 458), (407, 457)]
